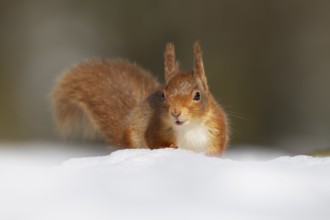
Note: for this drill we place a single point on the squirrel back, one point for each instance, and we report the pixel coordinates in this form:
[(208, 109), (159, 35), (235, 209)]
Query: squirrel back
[(128, 107)]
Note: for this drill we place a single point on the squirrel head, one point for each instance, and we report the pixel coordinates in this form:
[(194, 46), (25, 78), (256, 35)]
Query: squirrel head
[(186, 94)]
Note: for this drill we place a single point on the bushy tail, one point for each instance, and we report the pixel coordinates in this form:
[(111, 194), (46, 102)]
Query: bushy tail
[(93, 99)]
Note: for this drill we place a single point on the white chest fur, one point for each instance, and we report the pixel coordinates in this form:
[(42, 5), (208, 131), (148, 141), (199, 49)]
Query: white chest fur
[(193, 136)]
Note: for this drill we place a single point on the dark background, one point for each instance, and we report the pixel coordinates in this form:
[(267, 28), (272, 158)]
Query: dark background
[(267, 62)]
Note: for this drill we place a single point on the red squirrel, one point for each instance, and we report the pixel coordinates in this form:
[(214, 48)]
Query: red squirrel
[(129, 108)]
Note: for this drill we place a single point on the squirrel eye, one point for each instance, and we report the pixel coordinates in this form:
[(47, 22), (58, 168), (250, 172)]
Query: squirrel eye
[(197, 96), (163, 96)]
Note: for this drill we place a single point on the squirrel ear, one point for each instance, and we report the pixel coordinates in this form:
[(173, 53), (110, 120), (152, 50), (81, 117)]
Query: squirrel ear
[(199, 66), (170, 64)]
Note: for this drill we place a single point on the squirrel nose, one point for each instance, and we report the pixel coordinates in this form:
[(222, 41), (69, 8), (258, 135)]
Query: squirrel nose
[(176, 114)]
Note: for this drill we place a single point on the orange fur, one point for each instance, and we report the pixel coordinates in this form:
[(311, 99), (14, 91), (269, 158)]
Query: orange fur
[(123, 103)]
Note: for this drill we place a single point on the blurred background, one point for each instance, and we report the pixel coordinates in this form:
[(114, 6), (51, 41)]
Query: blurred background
[(267, 62)]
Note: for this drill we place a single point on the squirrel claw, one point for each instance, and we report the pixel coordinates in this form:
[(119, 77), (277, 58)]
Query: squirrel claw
[(170, 146), (173, 146)]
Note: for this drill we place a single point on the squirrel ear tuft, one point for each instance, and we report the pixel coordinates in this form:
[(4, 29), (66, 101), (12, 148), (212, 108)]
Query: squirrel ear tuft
[(199, 66), (170, 64)]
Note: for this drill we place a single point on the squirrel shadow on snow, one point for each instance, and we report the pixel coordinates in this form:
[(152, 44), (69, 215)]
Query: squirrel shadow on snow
[(125, 105)]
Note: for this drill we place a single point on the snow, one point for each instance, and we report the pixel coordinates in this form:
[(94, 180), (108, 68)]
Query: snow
[(166, 184)]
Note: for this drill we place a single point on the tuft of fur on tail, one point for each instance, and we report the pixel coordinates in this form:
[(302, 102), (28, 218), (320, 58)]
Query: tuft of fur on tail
[(70, 117), (72, 121)]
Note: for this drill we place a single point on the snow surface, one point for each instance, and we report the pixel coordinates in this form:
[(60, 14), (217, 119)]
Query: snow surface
[(166, 184)]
